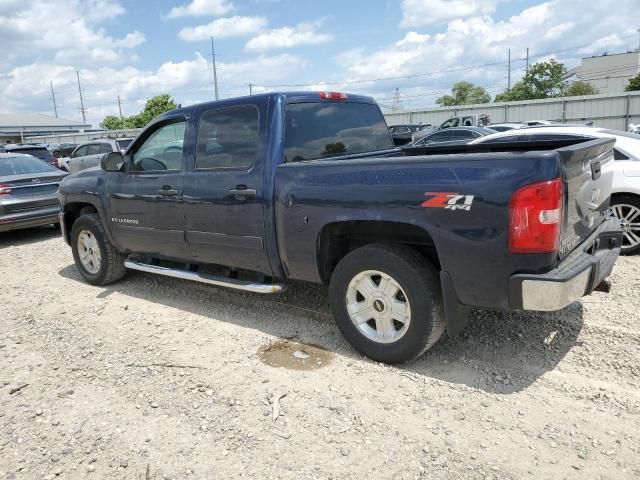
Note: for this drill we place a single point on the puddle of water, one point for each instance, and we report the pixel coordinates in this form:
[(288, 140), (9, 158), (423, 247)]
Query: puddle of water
[(294, 356)]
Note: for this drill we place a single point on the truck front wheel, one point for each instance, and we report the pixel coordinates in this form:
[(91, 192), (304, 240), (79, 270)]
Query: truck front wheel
[(96, 258), (387, 302)]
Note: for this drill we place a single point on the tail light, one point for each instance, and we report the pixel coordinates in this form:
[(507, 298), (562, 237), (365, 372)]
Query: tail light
[(5, 189), (535, 218), (333, 95), (53, 162)]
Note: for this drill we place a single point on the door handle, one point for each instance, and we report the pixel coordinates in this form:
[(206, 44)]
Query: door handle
[(243, 191), (168, 191)]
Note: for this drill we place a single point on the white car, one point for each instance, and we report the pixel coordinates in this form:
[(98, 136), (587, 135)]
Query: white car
[(625, 198), (87, 155)]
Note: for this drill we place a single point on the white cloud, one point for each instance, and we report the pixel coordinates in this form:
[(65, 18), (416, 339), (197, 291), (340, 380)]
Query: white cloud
[(286, 37), (553, 29), (417, 13), (223, 27), (201, 8), (26, 88), (29, 27)]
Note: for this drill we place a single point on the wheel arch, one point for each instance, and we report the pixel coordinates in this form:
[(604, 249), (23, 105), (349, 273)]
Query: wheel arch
[(337, 239)]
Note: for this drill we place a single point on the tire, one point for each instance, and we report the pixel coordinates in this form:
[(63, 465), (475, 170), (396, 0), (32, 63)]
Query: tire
[(110, 267), (627, 209), (409, 321)]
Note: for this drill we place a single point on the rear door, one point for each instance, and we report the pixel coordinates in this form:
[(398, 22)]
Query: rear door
[(588, 170), (224, 189)]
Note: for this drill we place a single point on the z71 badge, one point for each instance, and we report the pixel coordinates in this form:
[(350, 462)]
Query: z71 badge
[(448, 200)]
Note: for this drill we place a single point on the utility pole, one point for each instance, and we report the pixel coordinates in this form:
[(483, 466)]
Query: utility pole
[(53, 97), (215, 73), (509, 72), (527, 68), (120, 106), (82, 109), (251, 89)]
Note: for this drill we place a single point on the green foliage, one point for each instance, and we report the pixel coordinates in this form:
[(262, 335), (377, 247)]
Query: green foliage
[(464, 93), (112, 122), (543, 80), (579, 88), (634, 84), (154, 107)]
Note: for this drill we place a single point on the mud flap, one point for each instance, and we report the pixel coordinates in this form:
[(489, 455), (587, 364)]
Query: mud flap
[(456, 314)]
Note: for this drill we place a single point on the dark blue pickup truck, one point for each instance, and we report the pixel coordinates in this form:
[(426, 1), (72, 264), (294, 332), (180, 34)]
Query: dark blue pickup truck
[(250, 192)]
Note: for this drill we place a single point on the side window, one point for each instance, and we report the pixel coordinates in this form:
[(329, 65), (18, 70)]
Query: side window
[(105, 148), (94, 149), (162, 150), (438, 137), (467, 121), (81, 151), (462, 134), (618, 155), (227, 138)]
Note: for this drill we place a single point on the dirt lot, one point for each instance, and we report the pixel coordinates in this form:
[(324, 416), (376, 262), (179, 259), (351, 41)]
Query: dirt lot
[(155, 378)]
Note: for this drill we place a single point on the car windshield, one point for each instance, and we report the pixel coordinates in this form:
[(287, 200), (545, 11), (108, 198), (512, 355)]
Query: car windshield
[(22, 164), (41, 153), (123, 144), (327, 129)]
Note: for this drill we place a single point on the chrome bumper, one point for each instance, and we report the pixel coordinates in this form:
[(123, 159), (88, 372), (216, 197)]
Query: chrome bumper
[(575, 276)]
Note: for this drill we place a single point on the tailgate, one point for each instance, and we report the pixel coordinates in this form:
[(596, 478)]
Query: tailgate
[(588, 168)]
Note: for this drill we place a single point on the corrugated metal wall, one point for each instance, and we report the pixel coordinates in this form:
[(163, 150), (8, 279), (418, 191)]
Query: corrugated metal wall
[(609, 111)]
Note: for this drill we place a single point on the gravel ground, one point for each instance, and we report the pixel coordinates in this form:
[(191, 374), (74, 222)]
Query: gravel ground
[(156, 378)]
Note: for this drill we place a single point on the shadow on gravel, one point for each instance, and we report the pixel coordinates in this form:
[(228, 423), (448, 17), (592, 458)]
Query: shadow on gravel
[(27, 236), (498, 352)]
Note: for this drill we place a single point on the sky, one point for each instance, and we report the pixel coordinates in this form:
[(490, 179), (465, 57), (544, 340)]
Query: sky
[(135, 49)]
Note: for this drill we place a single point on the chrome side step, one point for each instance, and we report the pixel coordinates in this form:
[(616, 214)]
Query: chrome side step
[(204, 278)]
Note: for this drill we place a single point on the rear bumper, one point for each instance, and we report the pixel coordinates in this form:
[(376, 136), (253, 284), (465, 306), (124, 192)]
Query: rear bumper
[(577, 275), (17, 220)]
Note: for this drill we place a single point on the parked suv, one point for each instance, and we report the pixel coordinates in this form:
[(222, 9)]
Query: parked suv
[(38, 151), (88, 154)]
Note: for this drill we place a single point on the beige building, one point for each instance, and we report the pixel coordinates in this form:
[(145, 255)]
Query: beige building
[(609, 73)]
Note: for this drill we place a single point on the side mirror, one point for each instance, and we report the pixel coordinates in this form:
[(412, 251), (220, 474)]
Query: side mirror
[(111, 162)]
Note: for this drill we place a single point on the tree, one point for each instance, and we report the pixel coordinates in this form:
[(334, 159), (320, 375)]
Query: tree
[(634, 84), (112, 122), (543, 80), (464, 93), (154, 107), (579, 88)]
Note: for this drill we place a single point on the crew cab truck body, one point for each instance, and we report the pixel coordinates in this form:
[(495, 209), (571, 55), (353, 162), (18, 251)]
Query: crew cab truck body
[(250, 192)]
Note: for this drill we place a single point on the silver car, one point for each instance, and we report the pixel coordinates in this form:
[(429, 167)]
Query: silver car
[(88, 154)]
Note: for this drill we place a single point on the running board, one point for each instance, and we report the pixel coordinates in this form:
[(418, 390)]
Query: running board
[(247, 286)]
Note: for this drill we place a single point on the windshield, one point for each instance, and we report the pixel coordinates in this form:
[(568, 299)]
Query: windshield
[(123, 144), (326, 129), (23, 164), (41, 153)]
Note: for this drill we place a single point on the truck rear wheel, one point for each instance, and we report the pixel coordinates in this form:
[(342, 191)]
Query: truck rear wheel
[(387, 302), (96, 258)]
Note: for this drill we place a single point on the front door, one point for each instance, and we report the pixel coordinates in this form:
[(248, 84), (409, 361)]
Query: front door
[(223, 192), (146, 207)]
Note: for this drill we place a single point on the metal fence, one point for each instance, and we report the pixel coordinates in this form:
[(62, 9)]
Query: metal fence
[(614, 111), (78, 138)]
